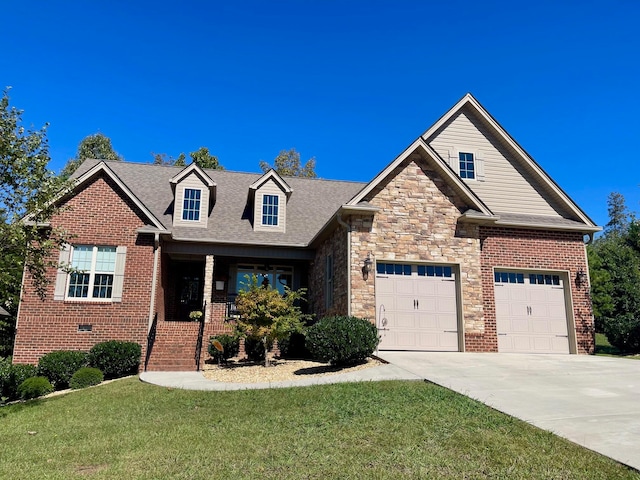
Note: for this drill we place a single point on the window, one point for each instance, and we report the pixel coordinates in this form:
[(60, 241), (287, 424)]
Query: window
[(95, 269), (328, 275), (393, 269), (508, 277), (539, 279), (270, 210), (278, 277), (467, 166), (191, 204), (434, 271)]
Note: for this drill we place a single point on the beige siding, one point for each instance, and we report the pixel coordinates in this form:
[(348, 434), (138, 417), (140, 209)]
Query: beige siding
[(507, 187), (270, 188), (191, 181)]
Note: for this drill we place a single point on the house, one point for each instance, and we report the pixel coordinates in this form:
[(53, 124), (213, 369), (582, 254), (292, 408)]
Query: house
[(461, 243)]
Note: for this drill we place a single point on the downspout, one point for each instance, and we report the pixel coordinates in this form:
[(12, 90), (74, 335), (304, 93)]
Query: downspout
[(154, 281), (348, 227)]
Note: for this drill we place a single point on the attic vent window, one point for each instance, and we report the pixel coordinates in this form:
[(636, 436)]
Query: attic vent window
[(191, 204), (467, 166), (270, 210)]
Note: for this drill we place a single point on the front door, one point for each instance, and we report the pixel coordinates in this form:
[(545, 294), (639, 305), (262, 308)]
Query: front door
[(190, 288)]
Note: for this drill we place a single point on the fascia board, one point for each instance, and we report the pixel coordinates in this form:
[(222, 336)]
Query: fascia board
[(191, 168)]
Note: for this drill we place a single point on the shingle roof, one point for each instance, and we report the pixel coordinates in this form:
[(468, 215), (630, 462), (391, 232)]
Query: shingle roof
[(311, 205), (3, 312)]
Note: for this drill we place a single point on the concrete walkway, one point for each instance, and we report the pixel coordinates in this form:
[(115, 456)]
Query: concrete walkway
[(592, 401)]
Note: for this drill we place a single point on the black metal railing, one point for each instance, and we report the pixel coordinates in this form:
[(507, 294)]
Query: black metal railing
[(151, 339), (198, 353)]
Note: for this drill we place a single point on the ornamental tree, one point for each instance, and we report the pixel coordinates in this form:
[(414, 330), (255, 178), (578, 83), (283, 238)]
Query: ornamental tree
[(267, 315)]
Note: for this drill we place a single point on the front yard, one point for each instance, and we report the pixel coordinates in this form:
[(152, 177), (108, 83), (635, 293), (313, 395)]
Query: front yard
[(127, 429)]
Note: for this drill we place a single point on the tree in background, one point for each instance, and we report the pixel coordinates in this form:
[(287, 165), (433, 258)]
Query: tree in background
[(287, 164), (27, 187), (96, 146), (200, 157), (614, 267)]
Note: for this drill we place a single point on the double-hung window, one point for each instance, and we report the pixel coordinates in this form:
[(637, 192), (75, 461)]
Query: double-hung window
[(191, 204), (467, 165), (270, 210), (93, 269)]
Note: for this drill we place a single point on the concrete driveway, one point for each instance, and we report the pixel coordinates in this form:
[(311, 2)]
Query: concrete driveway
[(592, 401)]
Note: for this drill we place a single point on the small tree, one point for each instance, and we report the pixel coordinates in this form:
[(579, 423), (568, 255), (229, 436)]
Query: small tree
[(267, 315), (97, 146), (287, 164)]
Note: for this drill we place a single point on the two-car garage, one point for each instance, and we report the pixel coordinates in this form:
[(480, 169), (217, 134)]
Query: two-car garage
[(417, 308)]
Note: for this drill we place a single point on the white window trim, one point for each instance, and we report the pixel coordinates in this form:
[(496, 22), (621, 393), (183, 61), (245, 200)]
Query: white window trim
[(63, 276), (478, 162), (277, 216), (183, 210)]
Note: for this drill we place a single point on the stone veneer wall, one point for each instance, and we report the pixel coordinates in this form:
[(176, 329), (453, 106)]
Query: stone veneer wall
[(534, 249), (97, 215), (417, 222), (336, 245)]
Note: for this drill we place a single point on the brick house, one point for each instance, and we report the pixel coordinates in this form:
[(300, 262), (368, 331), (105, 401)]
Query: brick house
[(462, 243)]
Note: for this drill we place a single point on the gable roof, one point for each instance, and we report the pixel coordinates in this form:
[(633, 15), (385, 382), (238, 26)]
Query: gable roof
[(312, 203), (550, 186), (273, 175)]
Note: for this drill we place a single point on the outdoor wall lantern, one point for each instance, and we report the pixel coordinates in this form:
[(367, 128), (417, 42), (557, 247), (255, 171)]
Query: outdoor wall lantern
[(366, 267), (581, 278)]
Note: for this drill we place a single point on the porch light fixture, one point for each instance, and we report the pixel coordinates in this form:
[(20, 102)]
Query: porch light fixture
[(581, 278), (366, 267)]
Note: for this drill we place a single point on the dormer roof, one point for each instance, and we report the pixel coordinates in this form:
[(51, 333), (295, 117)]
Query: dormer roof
[(277, 179)]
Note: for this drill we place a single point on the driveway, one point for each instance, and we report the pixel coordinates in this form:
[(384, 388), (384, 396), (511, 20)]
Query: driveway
[(592, 401)]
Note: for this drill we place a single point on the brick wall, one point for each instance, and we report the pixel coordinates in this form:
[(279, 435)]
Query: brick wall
[(97, 215), (533, 249)]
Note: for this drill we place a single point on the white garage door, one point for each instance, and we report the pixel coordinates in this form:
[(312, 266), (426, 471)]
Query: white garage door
[(531, 315), (416, 307)]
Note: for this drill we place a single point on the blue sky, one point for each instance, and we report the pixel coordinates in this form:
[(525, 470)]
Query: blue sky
[(351, 83)]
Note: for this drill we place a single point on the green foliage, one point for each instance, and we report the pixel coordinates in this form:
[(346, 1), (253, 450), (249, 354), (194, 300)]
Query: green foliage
[(204, 159), (164, 159), (86, 377), (287, 164), (342, 340), (267, 315), (58, 366), (255, 349), (34, 387), (11, 376), (97, 146), (293, 346), (115, 358), (614, 267), (27, 187), (230, 345)]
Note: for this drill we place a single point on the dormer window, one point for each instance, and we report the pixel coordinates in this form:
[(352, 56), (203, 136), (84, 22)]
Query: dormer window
[(270, 210), (191, 205), (467, 165)]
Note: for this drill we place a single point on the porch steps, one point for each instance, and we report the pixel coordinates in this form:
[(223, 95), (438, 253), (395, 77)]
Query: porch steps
[(174, 347)]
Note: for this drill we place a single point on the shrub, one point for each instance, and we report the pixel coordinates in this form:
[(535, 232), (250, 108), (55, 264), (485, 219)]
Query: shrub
[(116, 358), (60, 365), (230, 345), (342, 340), (254, 348), (11, 376), (34, 387), (86, 377), (294, 346)]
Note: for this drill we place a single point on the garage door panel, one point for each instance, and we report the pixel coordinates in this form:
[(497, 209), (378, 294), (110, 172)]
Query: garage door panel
[(531, 317), (422, 315)]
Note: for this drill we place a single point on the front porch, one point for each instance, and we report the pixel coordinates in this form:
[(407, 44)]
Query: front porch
[(208, 283)]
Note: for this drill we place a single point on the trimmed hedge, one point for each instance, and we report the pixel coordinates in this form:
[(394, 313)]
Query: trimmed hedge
[(11, 376), (230, 345), (60, 365), (34, 387), (86, 377), (115, 358), (342, 340)]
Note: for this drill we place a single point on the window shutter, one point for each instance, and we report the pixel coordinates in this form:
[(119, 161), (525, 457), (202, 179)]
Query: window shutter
[(480, 166), (118, 277), (454, 160), (61, 275)]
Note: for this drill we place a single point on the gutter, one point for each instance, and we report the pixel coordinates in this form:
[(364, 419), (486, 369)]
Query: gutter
[(348, 227)]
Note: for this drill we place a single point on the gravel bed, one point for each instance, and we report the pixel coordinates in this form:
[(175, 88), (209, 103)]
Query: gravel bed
[(279, 370)]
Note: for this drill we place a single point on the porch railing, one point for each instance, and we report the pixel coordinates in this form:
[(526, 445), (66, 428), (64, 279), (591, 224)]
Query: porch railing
[(151, 339), (199, 341)]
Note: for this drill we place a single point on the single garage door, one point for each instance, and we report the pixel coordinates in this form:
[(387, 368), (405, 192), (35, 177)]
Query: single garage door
[(416, 307), (531, 314)]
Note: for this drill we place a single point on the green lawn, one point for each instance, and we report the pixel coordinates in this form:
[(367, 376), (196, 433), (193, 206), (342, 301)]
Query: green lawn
[(603, 347), (130, 430)]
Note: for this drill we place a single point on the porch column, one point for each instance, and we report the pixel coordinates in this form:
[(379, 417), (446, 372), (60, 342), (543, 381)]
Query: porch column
[(208, 285)]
